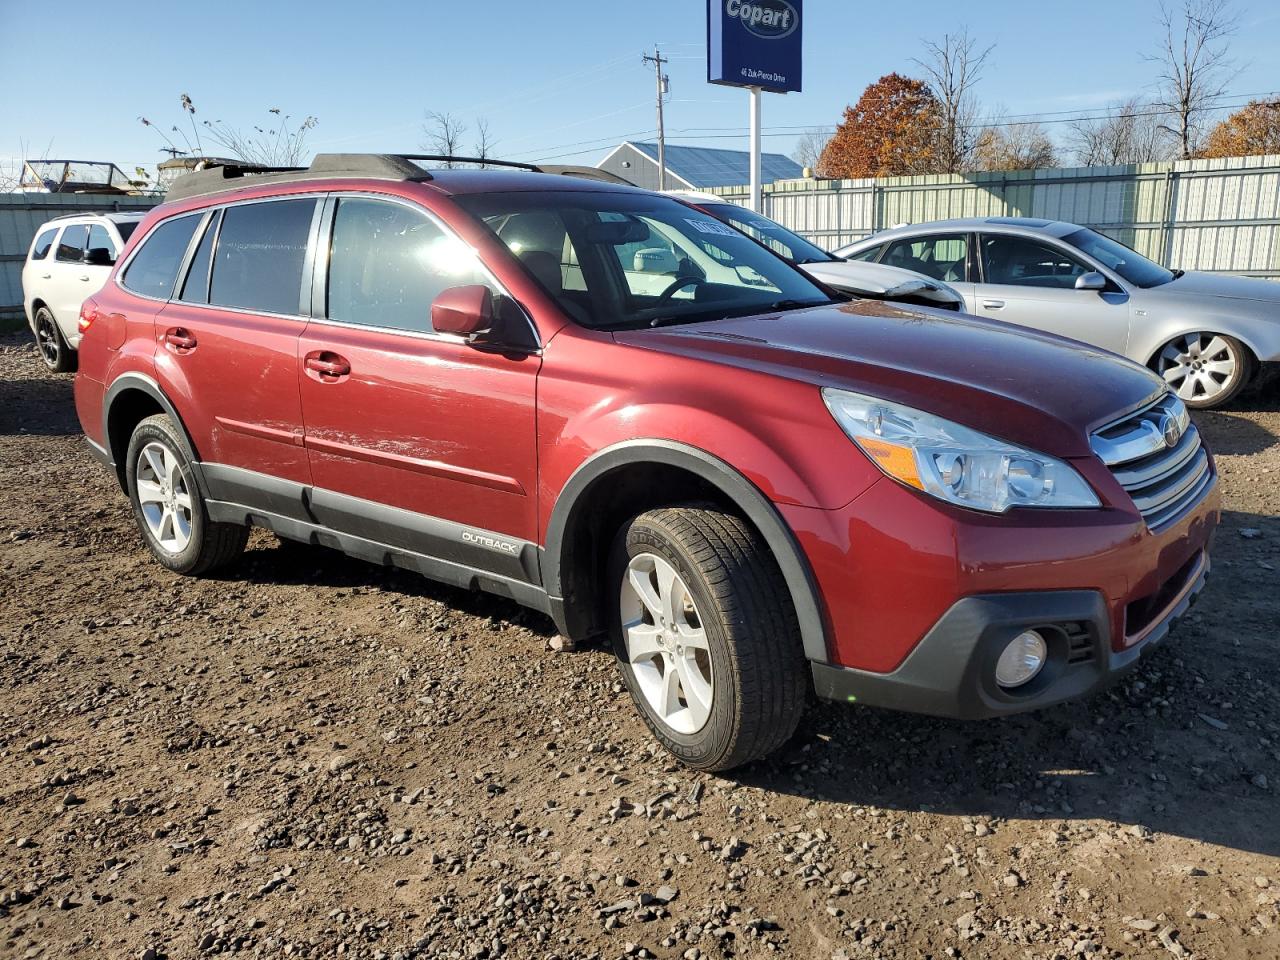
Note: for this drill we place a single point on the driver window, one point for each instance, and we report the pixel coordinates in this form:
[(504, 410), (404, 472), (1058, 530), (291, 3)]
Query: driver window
[(388, 262), (1028, 263)]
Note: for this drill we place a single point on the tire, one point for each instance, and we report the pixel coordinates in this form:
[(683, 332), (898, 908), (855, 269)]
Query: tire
[(168, 506), (1205, 370), (54, 352), (735, 636)]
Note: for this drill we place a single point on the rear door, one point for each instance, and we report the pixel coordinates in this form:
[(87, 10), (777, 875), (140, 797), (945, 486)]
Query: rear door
[(398, 416), (228, 349), (69, 279), (1031, 282), (941, 256)]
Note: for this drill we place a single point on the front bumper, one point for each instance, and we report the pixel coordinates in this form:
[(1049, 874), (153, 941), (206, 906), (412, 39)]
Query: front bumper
[(951, 671)]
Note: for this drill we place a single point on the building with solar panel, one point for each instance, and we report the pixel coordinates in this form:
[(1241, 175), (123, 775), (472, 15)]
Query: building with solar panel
[(694, 168)]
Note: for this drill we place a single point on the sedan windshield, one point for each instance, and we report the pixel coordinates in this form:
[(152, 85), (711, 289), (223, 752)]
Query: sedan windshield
[(1114, 255), (623, 260), (775, 236)]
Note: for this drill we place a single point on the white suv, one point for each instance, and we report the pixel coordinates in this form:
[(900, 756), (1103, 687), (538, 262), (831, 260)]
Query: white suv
[(69, 259)]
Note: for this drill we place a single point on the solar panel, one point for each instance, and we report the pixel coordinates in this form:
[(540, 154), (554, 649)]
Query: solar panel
[(713, 167)]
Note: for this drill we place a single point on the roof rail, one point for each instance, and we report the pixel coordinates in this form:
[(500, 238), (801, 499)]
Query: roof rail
[(374, 166)]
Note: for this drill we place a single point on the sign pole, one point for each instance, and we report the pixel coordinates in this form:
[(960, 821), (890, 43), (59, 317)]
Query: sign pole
[(757, 199)]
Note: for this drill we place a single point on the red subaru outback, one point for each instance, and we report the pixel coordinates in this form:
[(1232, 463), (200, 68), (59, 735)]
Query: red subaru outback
[(611, 407)]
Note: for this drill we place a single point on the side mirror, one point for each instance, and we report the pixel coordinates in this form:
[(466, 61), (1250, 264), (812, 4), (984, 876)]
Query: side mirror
[(463, 311), (99, 257), (1092, 280)]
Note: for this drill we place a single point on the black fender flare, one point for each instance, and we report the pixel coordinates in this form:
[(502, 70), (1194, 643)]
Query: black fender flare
[(754, 505), (134, 381)]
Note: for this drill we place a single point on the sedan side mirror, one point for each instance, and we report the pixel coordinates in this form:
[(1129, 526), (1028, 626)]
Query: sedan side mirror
[(1092, 280), (99, 257), (463, 312)]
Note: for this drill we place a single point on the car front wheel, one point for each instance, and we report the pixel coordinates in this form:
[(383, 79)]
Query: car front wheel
[(57, 356), (1205, 369), (706, 636)]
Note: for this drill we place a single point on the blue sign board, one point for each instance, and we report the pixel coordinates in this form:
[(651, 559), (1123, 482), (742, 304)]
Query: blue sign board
[(754, 43)]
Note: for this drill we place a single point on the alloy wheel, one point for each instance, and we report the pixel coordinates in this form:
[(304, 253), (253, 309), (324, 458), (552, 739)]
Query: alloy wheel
[(1199, 366), (164, 497), (47, 340), (666, 644)]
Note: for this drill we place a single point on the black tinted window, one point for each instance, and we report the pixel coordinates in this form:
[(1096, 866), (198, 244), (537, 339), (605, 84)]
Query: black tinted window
[(40, 249), (195, 289), (389, 262), (154, 269), (99, 239), (867, 255), (261, 249), (71, 246), (125, 228)]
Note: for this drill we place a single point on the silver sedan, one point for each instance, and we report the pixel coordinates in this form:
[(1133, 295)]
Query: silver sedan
[(1204, 333)]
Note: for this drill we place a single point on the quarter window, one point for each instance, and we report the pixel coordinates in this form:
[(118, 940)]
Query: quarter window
[(942, 257), (388, 262), (71, 246), (1027, 263), (195, 289), (153, 270), (261, 251), (40, 249)]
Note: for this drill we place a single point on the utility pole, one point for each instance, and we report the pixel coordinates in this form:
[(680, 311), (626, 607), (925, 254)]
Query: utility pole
[(657, 60)]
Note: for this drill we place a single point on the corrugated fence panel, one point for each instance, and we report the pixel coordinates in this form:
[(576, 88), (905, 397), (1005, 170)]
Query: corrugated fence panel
[(21, 216), (1217, 215)]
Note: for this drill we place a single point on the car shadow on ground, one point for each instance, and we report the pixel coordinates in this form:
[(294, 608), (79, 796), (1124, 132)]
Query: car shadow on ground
[(44, 407)]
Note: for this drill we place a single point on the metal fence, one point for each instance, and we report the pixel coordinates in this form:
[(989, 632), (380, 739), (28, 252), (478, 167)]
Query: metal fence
[(21, 215), (1214, 215)]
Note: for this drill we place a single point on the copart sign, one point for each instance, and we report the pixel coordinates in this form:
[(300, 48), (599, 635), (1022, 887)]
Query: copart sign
[(755, 43)]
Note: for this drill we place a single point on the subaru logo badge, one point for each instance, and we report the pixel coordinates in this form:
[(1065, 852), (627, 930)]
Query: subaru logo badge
[(1170, 430)]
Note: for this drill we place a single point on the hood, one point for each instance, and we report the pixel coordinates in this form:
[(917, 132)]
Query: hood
[(882, 281), (1222, 285), (1037, 390)]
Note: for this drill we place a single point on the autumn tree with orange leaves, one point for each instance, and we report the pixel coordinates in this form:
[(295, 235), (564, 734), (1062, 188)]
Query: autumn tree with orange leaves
[(1252, 130), (893, 129)]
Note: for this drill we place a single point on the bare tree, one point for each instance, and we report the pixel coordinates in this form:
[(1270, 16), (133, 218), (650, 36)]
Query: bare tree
[(1013, 146), (809, 148), (1195, 64), (952, 68), (281, 142), (1135, 131), (443, 134), (484, 140)]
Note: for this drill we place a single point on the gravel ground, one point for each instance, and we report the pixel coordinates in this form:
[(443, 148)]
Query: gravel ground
[(313, 757)]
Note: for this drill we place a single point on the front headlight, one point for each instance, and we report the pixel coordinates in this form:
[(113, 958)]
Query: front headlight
[(952, 462)]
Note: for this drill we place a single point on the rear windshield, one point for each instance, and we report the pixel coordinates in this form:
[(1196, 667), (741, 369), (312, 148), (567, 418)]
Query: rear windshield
[(623, 260)]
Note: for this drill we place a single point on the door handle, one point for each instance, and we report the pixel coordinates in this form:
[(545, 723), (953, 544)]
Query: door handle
[(85, 279), (179, 340), (45, 276), (993, 304), (326, 366)]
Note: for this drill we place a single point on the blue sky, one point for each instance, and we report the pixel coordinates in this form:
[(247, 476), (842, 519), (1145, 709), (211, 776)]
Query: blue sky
[(554, 79)]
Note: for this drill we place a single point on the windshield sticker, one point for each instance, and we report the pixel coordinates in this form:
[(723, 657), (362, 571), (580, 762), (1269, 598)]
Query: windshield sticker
[(714, 227)]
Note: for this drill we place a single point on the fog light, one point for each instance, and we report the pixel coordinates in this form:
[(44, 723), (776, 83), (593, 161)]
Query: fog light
[(1021, 660)]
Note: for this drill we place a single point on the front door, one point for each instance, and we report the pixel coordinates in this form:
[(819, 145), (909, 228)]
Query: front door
[(416, 439), (1032, 283)]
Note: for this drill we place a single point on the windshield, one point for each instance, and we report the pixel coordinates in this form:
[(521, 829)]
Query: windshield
[(1114, 255), (623, 260), (775, 236)]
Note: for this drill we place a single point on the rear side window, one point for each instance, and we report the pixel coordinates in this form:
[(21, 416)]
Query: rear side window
[(99, 239), (260, 255), (40, 249), (71, 246), (154, 268), (389, 262)]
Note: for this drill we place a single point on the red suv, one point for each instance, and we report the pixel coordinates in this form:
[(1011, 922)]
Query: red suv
[(612, 407)]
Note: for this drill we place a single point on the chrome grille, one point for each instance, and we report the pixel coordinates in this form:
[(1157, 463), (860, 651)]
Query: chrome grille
[(1163, 479)]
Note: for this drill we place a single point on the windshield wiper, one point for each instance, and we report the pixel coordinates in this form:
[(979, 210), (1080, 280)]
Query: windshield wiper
[(794, 304), (1177, 273)]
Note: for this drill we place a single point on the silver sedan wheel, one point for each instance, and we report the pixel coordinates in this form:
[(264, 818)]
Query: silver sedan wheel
[(164, 497), (1199, 366), (666, 644)]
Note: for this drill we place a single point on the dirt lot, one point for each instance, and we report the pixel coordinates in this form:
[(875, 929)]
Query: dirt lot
[(313, 757)]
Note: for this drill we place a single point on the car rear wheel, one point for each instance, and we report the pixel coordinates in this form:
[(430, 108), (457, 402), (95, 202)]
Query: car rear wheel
[(168, 506), (706, 637), (1205, 369), (55, 353)]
